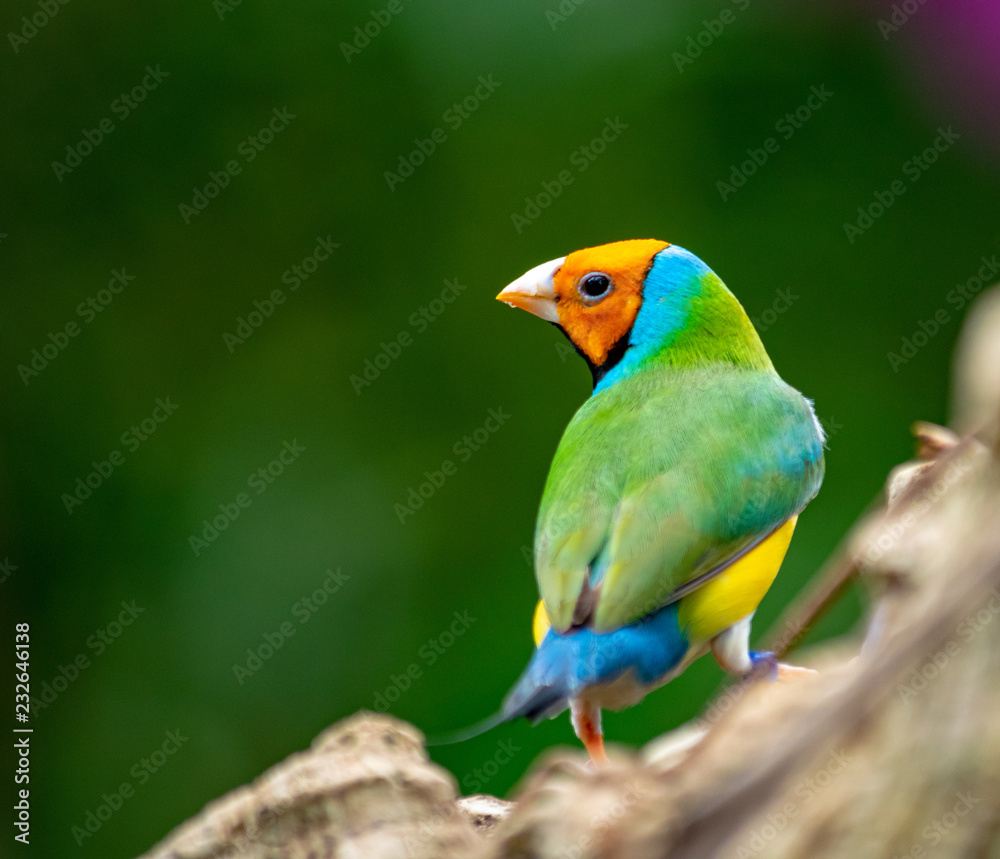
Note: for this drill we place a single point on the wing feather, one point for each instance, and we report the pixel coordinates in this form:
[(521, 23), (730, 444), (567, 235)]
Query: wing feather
[(660, 483)]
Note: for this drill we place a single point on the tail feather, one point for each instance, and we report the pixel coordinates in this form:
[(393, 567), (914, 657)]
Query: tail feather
[(526, 699), (564, 665), (463, 734), (535, 701)]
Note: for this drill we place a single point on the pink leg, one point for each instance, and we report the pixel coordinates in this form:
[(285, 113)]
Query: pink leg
[(586, 720)]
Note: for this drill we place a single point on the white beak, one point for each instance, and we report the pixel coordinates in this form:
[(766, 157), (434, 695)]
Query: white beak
[(535, 291)]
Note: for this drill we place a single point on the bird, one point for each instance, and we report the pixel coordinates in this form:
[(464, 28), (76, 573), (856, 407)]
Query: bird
[(673, 493)]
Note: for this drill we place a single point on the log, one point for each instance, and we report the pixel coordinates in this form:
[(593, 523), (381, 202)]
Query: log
[(892, 749)]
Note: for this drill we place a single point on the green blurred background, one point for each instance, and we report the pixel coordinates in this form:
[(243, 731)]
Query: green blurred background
[(556, 79)]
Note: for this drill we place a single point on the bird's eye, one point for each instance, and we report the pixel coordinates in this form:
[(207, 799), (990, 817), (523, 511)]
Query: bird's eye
[(594, 285)]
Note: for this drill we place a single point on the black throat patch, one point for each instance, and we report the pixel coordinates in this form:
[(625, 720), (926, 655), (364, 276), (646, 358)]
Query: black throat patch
[(615, 354)]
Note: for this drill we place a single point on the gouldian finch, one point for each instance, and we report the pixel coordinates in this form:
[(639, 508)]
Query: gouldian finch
[(674, 491)]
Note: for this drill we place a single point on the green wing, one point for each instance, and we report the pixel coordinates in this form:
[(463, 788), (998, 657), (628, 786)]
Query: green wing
[(664, 476)]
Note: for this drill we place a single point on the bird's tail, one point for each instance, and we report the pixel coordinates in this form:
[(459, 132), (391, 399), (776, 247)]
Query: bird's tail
[(540, 693), (564, 665), (463, 734)]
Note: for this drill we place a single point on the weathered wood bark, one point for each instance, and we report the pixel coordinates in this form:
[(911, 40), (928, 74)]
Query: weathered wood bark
[(365, 788), (891, 750)]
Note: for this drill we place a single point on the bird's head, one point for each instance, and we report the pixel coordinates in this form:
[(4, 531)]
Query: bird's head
[(624, 303)]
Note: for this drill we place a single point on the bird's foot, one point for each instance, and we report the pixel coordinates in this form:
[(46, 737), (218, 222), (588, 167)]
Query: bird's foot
[(765, 664)]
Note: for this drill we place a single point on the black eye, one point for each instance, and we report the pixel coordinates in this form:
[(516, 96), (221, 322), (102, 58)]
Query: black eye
[(594, 285)]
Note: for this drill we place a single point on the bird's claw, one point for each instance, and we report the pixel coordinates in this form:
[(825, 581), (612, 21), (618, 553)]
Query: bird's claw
[(788, 672), (766, 664)]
